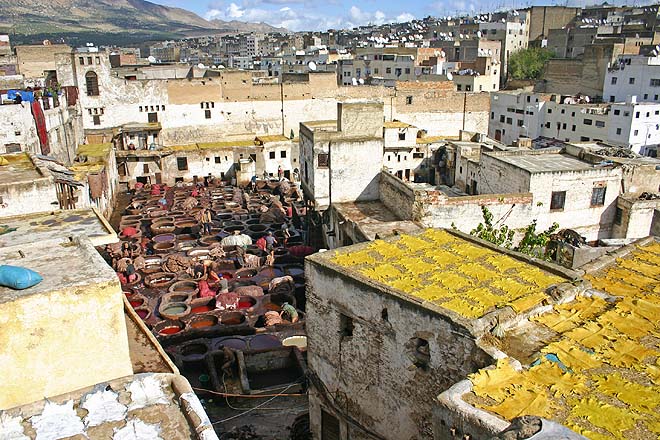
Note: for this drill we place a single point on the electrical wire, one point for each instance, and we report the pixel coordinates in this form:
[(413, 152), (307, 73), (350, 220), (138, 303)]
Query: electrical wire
[(247, 396), (253, 409)]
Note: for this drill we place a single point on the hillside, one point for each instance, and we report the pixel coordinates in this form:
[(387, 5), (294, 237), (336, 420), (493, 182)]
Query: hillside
[(108, 21)]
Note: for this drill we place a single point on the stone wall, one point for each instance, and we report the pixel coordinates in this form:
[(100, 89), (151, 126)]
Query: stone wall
[(388, 395)]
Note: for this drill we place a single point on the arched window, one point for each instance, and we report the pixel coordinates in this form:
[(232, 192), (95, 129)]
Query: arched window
[(92, 83)]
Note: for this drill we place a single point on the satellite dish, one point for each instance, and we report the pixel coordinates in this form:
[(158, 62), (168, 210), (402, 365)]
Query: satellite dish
[(311, 65), (201, 66), (586, 98), (450, 76), (478, 34), (354, 81), (361, 81), (220, 66), (151, 59), (213, 67)]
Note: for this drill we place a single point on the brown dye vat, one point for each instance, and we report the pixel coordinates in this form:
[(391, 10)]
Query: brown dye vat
[(186, 287), (157, 213), (162, 228), (159, 279), (209, 240), (201, 321), (185, 237), (232, 318), (164, 248), (272, 307)]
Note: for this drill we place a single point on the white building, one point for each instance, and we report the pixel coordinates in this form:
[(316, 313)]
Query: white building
[(633, 75), (631, 124), (514, 35)]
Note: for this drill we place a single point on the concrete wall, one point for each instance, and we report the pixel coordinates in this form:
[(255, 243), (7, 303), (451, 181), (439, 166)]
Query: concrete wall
[(19, 198), (637, 218), (388, 395), (61, 335), (33, 61)]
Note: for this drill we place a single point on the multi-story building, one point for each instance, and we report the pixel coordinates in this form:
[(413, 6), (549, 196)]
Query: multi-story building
[(633, 75), (513, 33), (632, 124)]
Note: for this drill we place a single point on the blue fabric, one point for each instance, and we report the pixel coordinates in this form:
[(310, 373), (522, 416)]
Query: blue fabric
[(18, 278), (27, 96)]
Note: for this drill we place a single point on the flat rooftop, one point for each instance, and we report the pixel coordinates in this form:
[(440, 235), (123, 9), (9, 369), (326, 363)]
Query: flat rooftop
[(145, 406), (375, 219), (447, 270), (545, 162), (598, 374), (62, 262), (17, 167), (41, 227)]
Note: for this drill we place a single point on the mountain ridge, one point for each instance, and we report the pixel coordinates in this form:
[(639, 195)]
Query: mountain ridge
[(139, 20)]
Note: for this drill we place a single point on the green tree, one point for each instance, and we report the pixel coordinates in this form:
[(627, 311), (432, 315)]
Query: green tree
[(502, 236), (528, 63), (533, 243)]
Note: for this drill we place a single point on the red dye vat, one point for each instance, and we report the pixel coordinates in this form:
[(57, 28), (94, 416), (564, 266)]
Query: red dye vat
[(227, 276), (244, 304), (136, 303), (142, 313), (201, 309), (169, 330)]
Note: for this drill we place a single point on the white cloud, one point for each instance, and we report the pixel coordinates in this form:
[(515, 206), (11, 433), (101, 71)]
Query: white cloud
[(298, 17)]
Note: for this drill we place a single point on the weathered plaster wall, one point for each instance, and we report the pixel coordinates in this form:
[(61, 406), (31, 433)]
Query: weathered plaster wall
[(66, 333), (388, 394)]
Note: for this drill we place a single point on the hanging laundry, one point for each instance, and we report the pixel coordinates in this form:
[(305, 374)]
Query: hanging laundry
[(26, 96), (40, 121)]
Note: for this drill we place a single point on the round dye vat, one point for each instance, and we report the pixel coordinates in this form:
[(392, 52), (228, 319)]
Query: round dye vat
[(235, 343), (136, 302), (232, 318), (204, 321), (245, 302), (262, 342), (163, 238), (142, 313), (272, 307), (169, 330), (201, 309), (296, 341), (174, 310), (295, 271)]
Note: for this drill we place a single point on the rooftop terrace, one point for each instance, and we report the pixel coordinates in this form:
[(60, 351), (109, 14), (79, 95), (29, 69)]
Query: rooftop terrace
[(445, 270), (598, 372), (545, 162)]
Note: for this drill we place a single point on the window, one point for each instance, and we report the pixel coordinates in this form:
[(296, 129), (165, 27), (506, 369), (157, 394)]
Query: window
[(646, 96), (573, 128), (407, 70), (612, 98), (520, 122), (329, 426), (388, 70), (501, 118), (323, 160), (549, 110), (631, 80), (346, 326), (598, 196), (402, 136), (618, 216), (468, 88), (419, 352), (207, 114), (182, 163), (459, 87), (492, 115), (572, 114), (409, 100), (557, 200), (636, 115), (217, 159), (152, 118), (509, 121), (98, 60), (547, 125), (655, 82), (283, 154), (584, 139), (271, 155), (398, 71), (376, 71), (614, 80), (618, 131), (89, 60), (617, 112), (635, 133), (588, 122), (600, 123), (81, 60), (92, 83), (145, 168), (97, 119)]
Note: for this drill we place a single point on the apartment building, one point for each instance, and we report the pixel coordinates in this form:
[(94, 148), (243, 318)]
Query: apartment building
[(633, 75), (632, 124)]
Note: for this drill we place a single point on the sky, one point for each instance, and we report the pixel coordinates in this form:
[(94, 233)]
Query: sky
[(303, 15)]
